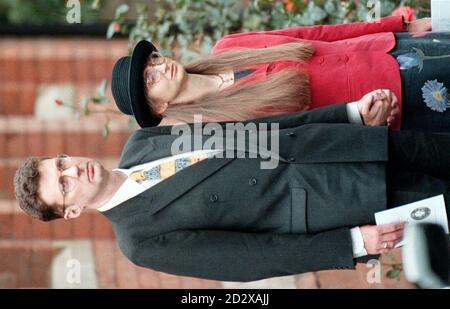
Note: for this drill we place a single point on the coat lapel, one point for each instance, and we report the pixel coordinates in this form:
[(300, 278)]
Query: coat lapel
[(173, 187), (156, 143)]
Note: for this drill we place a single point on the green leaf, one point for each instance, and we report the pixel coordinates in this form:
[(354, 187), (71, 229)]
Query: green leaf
[(121, 9), (101, 89), (398, 266), (111, 30), (394, 273), (389, 256), (131, 123), (105, 132), (95, 4), (100, 100), (84, 102), (421, 57)]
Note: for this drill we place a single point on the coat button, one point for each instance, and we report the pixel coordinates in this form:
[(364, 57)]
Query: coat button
[(346, 59), (213, 198), (252, 181), (290, 134), (291, 159)]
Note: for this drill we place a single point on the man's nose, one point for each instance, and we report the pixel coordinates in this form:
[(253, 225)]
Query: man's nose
[(72, 171)]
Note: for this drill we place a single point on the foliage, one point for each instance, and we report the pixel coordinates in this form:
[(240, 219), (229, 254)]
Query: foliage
[(192, 26), (39, 12)]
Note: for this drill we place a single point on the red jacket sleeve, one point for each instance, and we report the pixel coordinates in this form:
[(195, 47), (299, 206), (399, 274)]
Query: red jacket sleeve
[(330, 33)]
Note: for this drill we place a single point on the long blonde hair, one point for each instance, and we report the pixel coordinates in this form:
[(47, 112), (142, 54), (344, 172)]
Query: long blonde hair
[(282, 92)]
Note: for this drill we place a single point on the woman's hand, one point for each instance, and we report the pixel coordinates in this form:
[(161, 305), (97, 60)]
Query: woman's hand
[(379, 107), (419, 25)]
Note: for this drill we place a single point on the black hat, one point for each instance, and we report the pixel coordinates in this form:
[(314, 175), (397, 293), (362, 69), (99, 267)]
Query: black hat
[(127, 85)]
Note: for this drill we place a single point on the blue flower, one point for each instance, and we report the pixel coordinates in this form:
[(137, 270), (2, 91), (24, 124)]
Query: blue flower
[(435, 96), (408, 60)]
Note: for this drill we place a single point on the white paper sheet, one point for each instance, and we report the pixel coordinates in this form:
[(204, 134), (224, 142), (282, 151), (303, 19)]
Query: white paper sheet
[(430, 210), (440, 15)]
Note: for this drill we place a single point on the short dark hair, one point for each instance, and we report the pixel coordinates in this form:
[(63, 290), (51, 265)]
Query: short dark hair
[(26, 186)]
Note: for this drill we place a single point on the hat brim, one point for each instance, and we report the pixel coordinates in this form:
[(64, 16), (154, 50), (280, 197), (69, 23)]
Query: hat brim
[(141, 110)]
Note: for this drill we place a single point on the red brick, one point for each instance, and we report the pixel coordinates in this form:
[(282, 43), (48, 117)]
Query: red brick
[(46, 69), (22, 257), (102, 70), (9, 101), (126, 273), (83, 71), (16, 144), (17, 99), (113, 145), (35, 144), (148, 279), (75, 144), (101, 226), (3, 143), (104, 252), (6, 226), (9, 71), (169, 281), (91, 144), (191, 283), (3, 64), (41, 230), (27, 99), (82, 226), (54, 144), (64, 72), (6, 181), (61, 229), (28, 72), (306, 281), (40, 264), (22, 226)]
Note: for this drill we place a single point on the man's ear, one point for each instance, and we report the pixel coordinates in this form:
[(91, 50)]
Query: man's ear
[(73, 212)]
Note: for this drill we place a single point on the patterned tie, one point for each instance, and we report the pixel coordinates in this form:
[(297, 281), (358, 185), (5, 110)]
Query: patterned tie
[(167, 169)]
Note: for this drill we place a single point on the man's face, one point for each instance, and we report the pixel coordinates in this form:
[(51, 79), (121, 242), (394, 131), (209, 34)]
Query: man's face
[(78, 181)]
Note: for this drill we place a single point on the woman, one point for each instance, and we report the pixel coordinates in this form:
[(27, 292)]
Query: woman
[(251, 75)]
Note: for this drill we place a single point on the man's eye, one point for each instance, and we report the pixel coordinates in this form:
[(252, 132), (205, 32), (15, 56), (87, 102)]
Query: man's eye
[(153, 77), (60, 165)]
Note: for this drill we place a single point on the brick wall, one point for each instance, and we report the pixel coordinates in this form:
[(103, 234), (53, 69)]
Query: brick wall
[(25, 65)]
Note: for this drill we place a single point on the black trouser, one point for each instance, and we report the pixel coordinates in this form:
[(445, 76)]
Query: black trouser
[(416, 115), (419, 167)]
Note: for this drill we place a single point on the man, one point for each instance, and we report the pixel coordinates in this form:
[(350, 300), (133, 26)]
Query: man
[(228, 219)]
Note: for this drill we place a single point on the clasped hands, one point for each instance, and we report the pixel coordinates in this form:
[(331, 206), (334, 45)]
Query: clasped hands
[(379, 107)]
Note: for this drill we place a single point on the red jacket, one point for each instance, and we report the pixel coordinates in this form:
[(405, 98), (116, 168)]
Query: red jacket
[(350, 60)]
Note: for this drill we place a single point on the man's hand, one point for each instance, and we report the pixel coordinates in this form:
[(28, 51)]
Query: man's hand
[(420, 25), (379, 107), (380, 239)]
